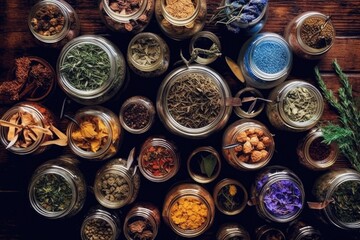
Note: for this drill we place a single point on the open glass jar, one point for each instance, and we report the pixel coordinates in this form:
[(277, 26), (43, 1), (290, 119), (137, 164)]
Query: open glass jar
[(57, 188), (296, 106), (310, 34), (91, 69), (267, 232), (299, 230), (192, 101), (32, 115), (180, 20), (247, 144), (53, 23), (207, 41), (187, 197), (229, 231)]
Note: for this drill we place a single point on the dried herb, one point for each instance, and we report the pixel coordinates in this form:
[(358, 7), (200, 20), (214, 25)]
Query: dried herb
[(318, 150), (53, 193), (86, 66), (208, 164), (230, 198), (114, 187), (125, 7), (98, 229), (317, 32), (136, 116), (48, 20), (347, 133), (158, 160), (140, 228), (145, 51)]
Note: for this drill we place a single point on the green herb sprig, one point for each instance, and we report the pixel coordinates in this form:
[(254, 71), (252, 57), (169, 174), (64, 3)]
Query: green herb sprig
[(347, 134)]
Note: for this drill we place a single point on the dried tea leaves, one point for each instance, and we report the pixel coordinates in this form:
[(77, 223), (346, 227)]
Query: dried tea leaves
[(145, 51)]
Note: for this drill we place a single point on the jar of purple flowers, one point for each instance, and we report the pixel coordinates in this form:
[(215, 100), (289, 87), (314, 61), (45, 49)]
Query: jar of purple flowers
[(278, 194)]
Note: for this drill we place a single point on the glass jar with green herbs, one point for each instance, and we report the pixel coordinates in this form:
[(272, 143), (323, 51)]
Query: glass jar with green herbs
[(232, 230), (296, 106), (91, 69), (57, 188), (337, 194)]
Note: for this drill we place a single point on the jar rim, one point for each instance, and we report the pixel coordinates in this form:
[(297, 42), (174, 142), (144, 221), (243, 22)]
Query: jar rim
[(206, 35), (124, 18)]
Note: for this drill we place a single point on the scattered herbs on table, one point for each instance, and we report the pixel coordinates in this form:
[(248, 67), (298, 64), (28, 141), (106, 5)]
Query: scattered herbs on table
[(158, 161), (317, 32), (140, 228), (145, 51), (53, 192), (346, 205), (114, 187), (347, 133), (86, 66), (318, 150), (48, 20), (96, 229), (204, 163), (136, 116), (194, 100), (300, 104), (230, 197)]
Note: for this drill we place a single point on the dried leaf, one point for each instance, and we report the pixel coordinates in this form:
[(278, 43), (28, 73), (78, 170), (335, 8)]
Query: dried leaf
[(235, 69)]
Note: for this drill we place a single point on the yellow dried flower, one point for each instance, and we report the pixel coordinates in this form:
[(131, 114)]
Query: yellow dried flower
[(232, 190)]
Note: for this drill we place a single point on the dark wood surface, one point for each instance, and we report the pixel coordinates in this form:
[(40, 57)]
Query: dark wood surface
[(19, 221)]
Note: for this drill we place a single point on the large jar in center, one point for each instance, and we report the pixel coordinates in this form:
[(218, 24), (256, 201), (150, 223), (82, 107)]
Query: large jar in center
[(191, 101)]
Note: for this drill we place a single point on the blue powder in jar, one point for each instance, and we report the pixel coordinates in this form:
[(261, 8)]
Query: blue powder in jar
[(270, 57)]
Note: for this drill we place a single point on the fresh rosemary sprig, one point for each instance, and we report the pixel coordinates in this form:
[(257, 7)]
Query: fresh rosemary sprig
[(347, 134)]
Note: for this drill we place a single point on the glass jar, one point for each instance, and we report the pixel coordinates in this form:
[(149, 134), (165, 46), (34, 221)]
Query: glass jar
[(100, 223), (126, 16), (142, 222), (53, 23), (310, 34), (196, 164), (98, 76), (338, 192), (116, 184), (247, 144), (278, 194), (208, 41), (183, 199), (159, 159), (30, 114), (180, 20), (296, 106), (210, 113), (249, 109), (265, 60), (229, 231), (230, 196), (57, 188), (148, 55), (137, 114), (314, 154), (299, 230), (266, 232)]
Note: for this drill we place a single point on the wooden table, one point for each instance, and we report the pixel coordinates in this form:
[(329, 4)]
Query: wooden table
[(19, 221)]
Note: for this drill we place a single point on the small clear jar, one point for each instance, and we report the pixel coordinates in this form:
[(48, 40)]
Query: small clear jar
[(143, 219), (230, 196), (210, 114), (266, 232), (310, 34), (247, 144), (148, 55), (181, 20), (159, 159), (126, 16), (57, 188), (116, 184), (100, 53), (26, 113), (196, 164), (248, 109), (205, 40), (185, 197), (137, 114), (299, 230), (100, 223), (278, 194), (265, 60), (96, 135), (53, 23), (314, 154), (290, 101), (229, 231), (338, 192)]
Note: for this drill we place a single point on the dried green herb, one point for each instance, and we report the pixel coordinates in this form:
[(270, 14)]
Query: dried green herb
[(145, 51), (230, 197), (347, 133), (208, 164), (86, 66)]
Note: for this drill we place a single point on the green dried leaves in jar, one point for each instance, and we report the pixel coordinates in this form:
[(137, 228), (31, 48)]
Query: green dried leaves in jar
[(145, 51)]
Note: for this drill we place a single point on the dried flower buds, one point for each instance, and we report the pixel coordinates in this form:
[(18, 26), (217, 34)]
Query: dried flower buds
[(48, 20)]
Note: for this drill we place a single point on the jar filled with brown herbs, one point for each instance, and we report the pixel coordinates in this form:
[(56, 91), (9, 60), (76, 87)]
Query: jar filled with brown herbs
[(57, 188), (53, 23), (247, 144), (192, 101), (296, 106), (300, 230), (100, 223), (314, 154), (29, 128), (180, 19), (117, 183), (267, 232), (126, 16), (310, 34), (231, 230), (337, 196), (142, 222), (148, 55), (95, 134), (137, 114)]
